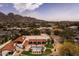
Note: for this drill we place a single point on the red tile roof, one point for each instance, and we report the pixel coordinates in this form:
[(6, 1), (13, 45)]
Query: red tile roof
[(9, 46), (20, 39)]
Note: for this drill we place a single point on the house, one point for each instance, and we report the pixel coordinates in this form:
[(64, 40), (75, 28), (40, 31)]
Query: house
[(35, 43), (73, 27), (7, 49), (76, 39)]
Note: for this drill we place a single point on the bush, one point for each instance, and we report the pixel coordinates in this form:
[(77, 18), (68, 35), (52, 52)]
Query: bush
[(48, 51), (35, 32), (69, 49)]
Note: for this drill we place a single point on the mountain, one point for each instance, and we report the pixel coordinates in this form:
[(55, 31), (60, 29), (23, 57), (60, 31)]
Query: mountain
[(11, 17)]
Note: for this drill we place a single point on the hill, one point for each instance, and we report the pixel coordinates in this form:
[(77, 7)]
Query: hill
[(11, 17)]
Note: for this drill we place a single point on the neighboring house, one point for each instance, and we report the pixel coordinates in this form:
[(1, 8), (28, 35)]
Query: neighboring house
[(73, 27), (7, 48), (41, 28), (76, 39), (17, 28)]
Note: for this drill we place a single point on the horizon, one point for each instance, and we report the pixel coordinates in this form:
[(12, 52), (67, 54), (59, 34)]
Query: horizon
[(43, 11)]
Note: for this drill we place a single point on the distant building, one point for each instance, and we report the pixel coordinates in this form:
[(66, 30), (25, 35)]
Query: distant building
[(73, 27)]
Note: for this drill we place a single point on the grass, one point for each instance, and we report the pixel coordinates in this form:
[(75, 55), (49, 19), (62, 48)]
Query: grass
[(26, 52), (29, 53), (48, 51), (49, 46)]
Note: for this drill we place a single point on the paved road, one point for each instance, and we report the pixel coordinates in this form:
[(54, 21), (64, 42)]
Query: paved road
[(57, 45)]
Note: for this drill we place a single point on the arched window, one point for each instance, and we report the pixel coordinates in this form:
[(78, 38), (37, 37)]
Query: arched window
[(39, 42), (30, 42), (35, 42), (43, 42)]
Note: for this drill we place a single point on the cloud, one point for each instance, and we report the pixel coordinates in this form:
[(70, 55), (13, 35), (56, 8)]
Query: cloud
[(26, 6)]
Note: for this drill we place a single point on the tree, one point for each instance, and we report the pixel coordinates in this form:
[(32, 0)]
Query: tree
[(67, 33), (56, 32), (48, 51), (35, 32), (24, 32), (33, 25), (48, 31), (69, 49), (6, 38)]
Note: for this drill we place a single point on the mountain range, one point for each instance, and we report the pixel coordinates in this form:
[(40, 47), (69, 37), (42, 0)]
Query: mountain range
[(11, 17)]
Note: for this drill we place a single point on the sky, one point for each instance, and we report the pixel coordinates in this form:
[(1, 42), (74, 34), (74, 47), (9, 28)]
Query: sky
[(44, 11)]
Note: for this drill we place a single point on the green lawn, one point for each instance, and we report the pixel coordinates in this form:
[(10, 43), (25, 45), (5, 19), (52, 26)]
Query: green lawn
[(48, 51), (49, 45), (28, 53)]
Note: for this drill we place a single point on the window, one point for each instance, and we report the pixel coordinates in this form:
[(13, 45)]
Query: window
[(39, 42), (30, 42), (35, 42), (43, 42)]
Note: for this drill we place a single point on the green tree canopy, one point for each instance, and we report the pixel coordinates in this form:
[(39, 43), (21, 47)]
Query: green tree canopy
[(35, 32), (69, 49)]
